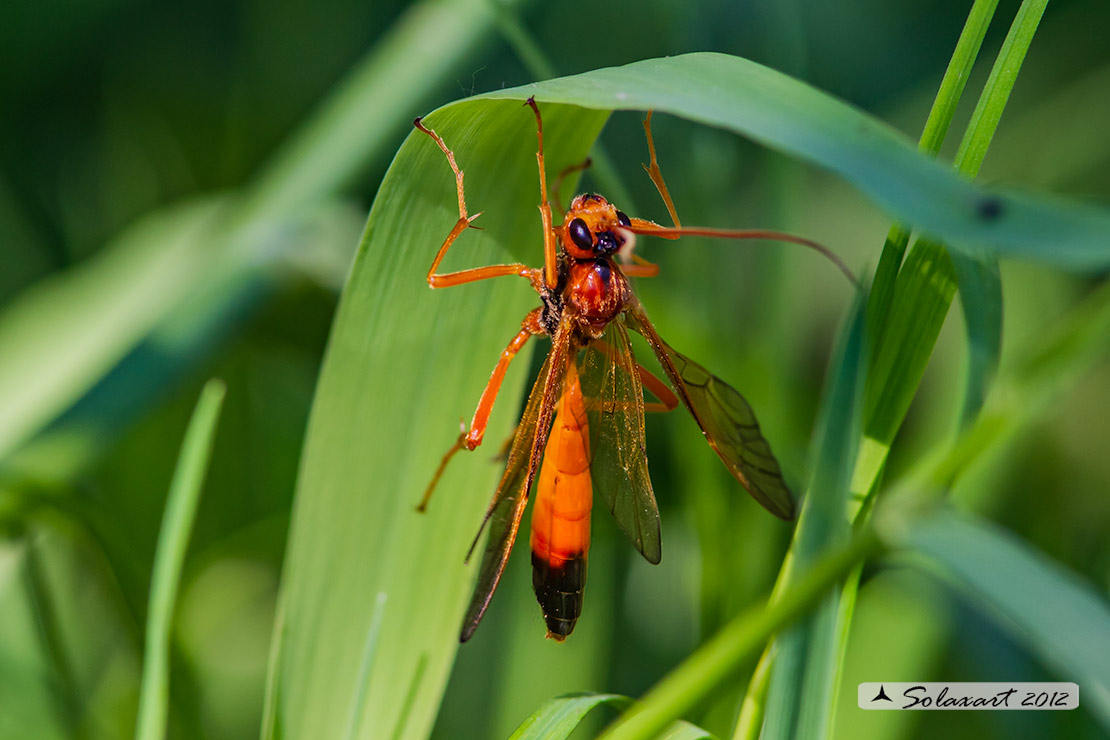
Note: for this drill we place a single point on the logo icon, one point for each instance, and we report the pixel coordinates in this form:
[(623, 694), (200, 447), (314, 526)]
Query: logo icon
[(882, 694)]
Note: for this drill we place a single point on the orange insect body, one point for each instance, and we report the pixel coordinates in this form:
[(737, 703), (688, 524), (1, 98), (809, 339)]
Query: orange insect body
[(561, 513), (584, 417)]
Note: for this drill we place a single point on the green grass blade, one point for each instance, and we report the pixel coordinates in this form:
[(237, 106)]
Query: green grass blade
[(978, 273), (1020, 395), (749, 723), (988, 112), (57, 338), (835, 615), (923, 293), (369, 653), (936, 128), (823, 524), (558, 718), (1025, 391), (909, 313), (169, 558), (682, 730), (956, 75), (723, 654), (925, 287), (980, 285), (929, 279), (801, 694), (1061, 619)]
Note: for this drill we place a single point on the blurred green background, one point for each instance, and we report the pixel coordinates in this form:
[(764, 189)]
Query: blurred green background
[(122, 116)]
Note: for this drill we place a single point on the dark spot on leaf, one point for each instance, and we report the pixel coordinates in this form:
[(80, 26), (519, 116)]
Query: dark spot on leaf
[(989, 208)]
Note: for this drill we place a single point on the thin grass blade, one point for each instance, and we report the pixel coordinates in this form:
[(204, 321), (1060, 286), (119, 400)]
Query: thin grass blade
[(928, 281), (801, 695), (722, 655), (59, 337), (977, 272), (169, 558), (932, 137)]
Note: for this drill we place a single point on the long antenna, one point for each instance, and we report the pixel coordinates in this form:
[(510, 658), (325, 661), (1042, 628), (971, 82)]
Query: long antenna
[(650, 228)]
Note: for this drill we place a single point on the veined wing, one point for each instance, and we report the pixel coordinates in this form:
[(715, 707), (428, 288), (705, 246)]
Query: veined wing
[(615, 412), (726, 419), (507, 505)]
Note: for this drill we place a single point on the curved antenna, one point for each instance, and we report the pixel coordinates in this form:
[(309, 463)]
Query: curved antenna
[(650, 228)]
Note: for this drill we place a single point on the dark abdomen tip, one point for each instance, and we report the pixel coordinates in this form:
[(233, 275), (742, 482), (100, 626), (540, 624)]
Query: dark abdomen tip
[(559, 590)]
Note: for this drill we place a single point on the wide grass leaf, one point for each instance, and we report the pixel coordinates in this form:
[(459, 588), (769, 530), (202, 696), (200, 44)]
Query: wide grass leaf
[(403, 365), (558, 718), (1058, 617), (801, 121)]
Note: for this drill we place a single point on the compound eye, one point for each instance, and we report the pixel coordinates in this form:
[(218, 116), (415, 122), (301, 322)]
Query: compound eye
[(622, 219), (580, 234)]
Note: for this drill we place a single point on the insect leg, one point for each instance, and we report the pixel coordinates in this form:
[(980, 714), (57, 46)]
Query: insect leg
[(562, 176), (668, 401), (640, 267), (656, 175), (450, 279), (551, 277), (631, 263), (470, 439)]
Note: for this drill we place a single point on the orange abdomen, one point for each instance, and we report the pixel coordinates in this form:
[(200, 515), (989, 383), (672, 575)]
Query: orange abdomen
[(561, 514)]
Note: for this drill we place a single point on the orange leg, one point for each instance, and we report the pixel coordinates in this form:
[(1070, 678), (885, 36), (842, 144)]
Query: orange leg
[(450, 279), (632, 264), (656, 175), (668, 401), (640, 267), (551, 279), (559, 182), (472, 437)]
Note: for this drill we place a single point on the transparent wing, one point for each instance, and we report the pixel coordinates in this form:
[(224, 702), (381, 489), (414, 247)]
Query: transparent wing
[(511, 496), (615, 412), (726, 419)]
